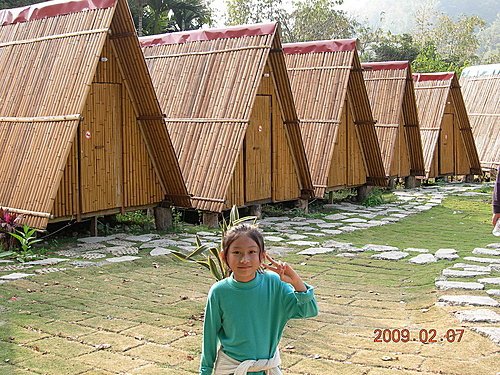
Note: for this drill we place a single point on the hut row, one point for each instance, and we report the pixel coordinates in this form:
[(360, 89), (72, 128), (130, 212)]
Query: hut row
[(204, 119), (481, 91)]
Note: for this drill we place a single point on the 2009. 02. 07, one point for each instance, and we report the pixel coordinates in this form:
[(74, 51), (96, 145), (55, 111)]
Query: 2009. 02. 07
[(423, 335)]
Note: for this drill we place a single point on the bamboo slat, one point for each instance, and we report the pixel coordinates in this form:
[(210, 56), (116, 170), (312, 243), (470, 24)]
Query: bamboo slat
[(481, 95)]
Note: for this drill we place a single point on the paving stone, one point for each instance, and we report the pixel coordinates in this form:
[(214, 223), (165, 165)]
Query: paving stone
[(14, 267), (354, 220), (157, 251), (480, 315), (70, 253), (490, 280), (93, 256), (6, 261), (120, 243), (483, 251), (49, 270), (373, 247), (315, 234), (331, 232), (142, 237), (84, 264), (90, 246), (368, 215), (275, 219), (274, 239), (278, 250), (316, 250), (203, 233), (493, 333), (337, 244), (456, 273), (495, 245), (125, 258), (347, 255), (467, 300), (493, 292), (472, 267), (315, 221), (303, 243), (423, 259), (483, 260), (377, 223), (400, 216), (391, 255), (162, 243), (448, 254), (46, 262), (361, 225), (336, 217), (16, 276), (305, 229), (416, 250), (445, 285), (96, 239), (329, 225), (348, 228)]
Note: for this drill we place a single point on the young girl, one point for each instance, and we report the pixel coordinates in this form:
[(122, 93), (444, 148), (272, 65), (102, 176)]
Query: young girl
[(247, 311)]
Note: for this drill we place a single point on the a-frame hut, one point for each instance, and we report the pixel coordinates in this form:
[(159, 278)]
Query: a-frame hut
[(481, 92), (392, 98), (81, 130), (447, 141), (231, 115), (335, 115)]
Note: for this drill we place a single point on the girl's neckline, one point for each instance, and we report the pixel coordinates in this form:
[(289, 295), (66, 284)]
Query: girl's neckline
[(245, 285)]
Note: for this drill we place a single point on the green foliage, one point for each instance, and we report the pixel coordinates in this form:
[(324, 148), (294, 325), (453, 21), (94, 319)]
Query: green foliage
[(209, 257), (429, 61), (317, 20), (27, 238), (135, 221), (241, 12), (9, 222), (377, 197), (390, 47)]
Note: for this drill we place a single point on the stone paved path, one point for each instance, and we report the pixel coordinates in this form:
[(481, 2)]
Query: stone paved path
[(342, 339)]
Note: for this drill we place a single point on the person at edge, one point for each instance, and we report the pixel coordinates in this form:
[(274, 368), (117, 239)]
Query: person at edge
[(247, 311), (496, 199)]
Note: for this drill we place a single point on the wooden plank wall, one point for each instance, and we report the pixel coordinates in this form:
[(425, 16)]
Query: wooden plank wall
[(115, 168), (482, 97)]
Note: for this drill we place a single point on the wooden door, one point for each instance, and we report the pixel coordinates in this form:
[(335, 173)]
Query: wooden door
[(258, 181), (446, 145), (100, 149)]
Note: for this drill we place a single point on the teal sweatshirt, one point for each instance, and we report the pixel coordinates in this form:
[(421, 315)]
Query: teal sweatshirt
[(248, 319)]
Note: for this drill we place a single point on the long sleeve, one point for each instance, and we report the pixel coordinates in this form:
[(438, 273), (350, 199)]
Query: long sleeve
[(300, 304), (211, 326), (496, 194)]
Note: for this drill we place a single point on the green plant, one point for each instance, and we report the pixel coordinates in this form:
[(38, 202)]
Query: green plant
[(378, 197), (9, 222), (210, 256), (27, 239)]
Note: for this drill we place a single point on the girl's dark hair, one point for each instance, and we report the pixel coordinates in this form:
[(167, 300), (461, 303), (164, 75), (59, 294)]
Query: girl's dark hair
[(240, 230)]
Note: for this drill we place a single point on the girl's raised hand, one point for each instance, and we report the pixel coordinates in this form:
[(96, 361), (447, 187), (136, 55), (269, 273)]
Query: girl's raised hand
[(286, 273)]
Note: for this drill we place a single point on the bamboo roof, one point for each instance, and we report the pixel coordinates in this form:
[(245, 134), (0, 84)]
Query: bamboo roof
[(323, 74), (432, 92), (48, 57), (392, 98), (206, 82), (481, 92)]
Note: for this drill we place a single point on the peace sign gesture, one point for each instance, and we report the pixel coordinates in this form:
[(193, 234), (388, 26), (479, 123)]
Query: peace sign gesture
[(286, 273)]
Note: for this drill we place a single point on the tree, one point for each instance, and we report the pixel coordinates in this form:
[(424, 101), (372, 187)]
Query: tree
[(489, 41), (318, 20), (429, 61), (240, 12), (388, 47), (457, 41), (162, 16)]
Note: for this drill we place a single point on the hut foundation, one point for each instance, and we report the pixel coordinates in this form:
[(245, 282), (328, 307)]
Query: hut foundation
[(363, 192), (410, 182), (210, 219), (93, 226), (469, 178), (163, 217), (302, 204), (256, 210)]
